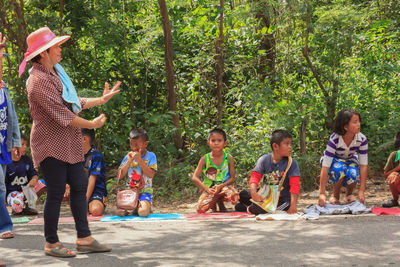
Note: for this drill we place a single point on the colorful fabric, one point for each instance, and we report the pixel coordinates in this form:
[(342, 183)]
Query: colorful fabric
[(98, 195), (344, 169), (51, 134), (134, 170), (5, 156), (16, 201), (19, 173), (357, 151), (145, 196), (97, 166), (13, 133), (385, 211), (273, 173), (208, 201), (214, 175)]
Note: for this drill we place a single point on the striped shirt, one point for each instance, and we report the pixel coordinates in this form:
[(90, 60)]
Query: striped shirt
[(357, 151), (51, 134)]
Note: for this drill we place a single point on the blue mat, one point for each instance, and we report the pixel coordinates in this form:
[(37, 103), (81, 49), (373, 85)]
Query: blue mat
[(151, 217)]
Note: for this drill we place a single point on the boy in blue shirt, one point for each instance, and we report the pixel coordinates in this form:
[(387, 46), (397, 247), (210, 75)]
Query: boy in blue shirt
[(95, 168), (139, 165), (20, 172)]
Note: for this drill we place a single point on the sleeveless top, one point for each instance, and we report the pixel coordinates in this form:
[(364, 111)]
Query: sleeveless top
[(214, 175)]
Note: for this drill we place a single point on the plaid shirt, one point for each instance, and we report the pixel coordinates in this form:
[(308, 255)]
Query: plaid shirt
[(51, 135)]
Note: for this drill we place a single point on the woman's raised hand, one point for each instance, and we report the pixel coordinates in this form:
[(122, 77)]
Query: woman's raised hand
[(99, 121), (108, 94)]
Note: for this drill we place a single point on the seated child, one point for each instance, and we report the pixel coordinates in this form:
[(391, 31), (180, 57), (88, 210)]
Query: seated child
[(391, 173), (139, 165), (20, 173), (273, 165), (95, 168), (218, 170), (345, 159)]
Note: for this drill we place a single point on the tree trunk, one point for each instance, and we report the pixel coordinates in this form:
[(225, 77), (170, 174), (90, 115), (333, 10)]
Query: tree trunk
[(267, 44), (330, 98), (220, 63), (169, 70), (303, 147), (61, 16)]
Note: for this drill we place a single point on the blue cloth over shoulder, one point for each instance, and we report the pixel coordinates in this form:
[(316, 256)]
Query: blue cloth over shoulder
[(69, 93)]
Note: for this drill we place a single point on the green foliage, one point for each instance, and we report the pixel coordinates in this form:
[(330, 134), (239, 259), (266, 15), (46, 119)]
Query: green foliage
[(352, 43)]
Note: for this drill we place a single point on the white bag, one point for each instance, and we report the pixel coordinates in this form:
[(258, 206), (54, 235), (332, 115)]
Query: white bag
[(30, 195)]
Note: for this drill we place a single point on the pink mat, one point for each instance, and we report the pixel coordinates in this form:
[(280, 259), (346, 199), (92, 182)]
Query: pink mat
[(218, 215), (385, 211), (67, 219)]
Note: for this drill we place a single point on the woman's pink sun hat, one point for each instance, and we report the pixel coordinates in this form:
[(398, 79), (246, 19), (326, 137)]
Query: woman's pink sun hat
[(39, 41)]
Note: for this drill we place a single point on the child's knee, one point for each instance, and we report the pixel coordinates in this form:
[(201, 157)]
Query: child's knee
[(144, 208), (96, 208)]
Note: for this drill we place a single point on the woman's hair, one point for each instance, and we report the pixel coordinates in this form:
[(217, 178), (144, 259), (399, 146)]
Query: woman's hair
[(397, 141), (343, 118), (38, 57)]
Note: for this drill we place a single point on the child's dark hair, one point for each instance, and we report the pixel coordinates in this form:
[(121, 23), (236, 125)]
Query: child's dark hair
[(23, 137), (343, 118), (89, 133), (278, 136), (217, 131), (397, 141), (139, 133)]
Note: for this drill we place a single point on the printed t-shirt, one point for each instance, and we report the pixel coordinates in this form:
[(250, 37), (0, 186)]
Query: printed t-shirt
[(5, 157), (274, 172), (134, 169), (19, 173), (97, 166)]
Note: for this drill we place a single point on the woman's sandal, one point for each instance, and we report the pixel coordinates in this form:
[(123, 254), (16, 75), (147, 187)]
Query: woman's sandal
[(95, 246), (59, 251), (6, 235)]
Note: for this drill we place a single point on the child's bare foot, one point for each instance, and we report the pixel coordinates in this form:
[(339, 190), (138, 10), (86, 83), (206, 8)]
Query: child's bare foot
[(334, 201), (121, 212), (350, 199)]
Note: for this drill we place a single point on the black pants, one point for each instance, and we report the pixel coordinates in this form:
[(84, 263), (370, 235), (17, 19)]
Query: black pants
[(57, 174), (245, 203)]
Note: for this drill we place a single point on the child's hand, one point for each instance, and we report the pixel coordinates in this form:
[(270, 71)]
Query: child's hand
[(67, 190), (361, 196), (256, 196), (322, 200), (218, 188), (137, 155), (130, 156), (32, 183), (211, 191), (292, 209), (392, 177)]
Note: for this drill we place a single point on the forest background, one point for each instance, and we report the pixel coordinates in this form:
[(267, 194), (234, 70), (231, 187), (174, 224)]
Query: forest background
[(247, 66)]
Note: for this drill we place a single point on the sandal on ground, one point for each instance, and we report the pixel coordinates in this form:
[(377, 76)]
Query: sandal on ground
[(95, 246), (2, 264), (29, 211), (390, 203), (6, 235), (59, 251)]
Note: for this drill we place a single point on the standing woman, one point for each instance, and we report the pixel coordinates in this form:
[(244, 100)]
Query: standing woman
[(56, 140)]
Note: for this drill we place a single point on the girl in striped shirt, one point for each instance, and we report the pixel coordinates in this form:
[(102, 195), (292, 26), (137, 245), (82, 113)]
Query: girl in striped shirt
[(345, 159)]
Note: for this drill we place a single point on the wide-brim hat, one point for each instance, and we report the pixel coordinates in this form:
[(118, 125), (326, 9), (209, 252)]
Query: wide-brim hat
[(39, 41)]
